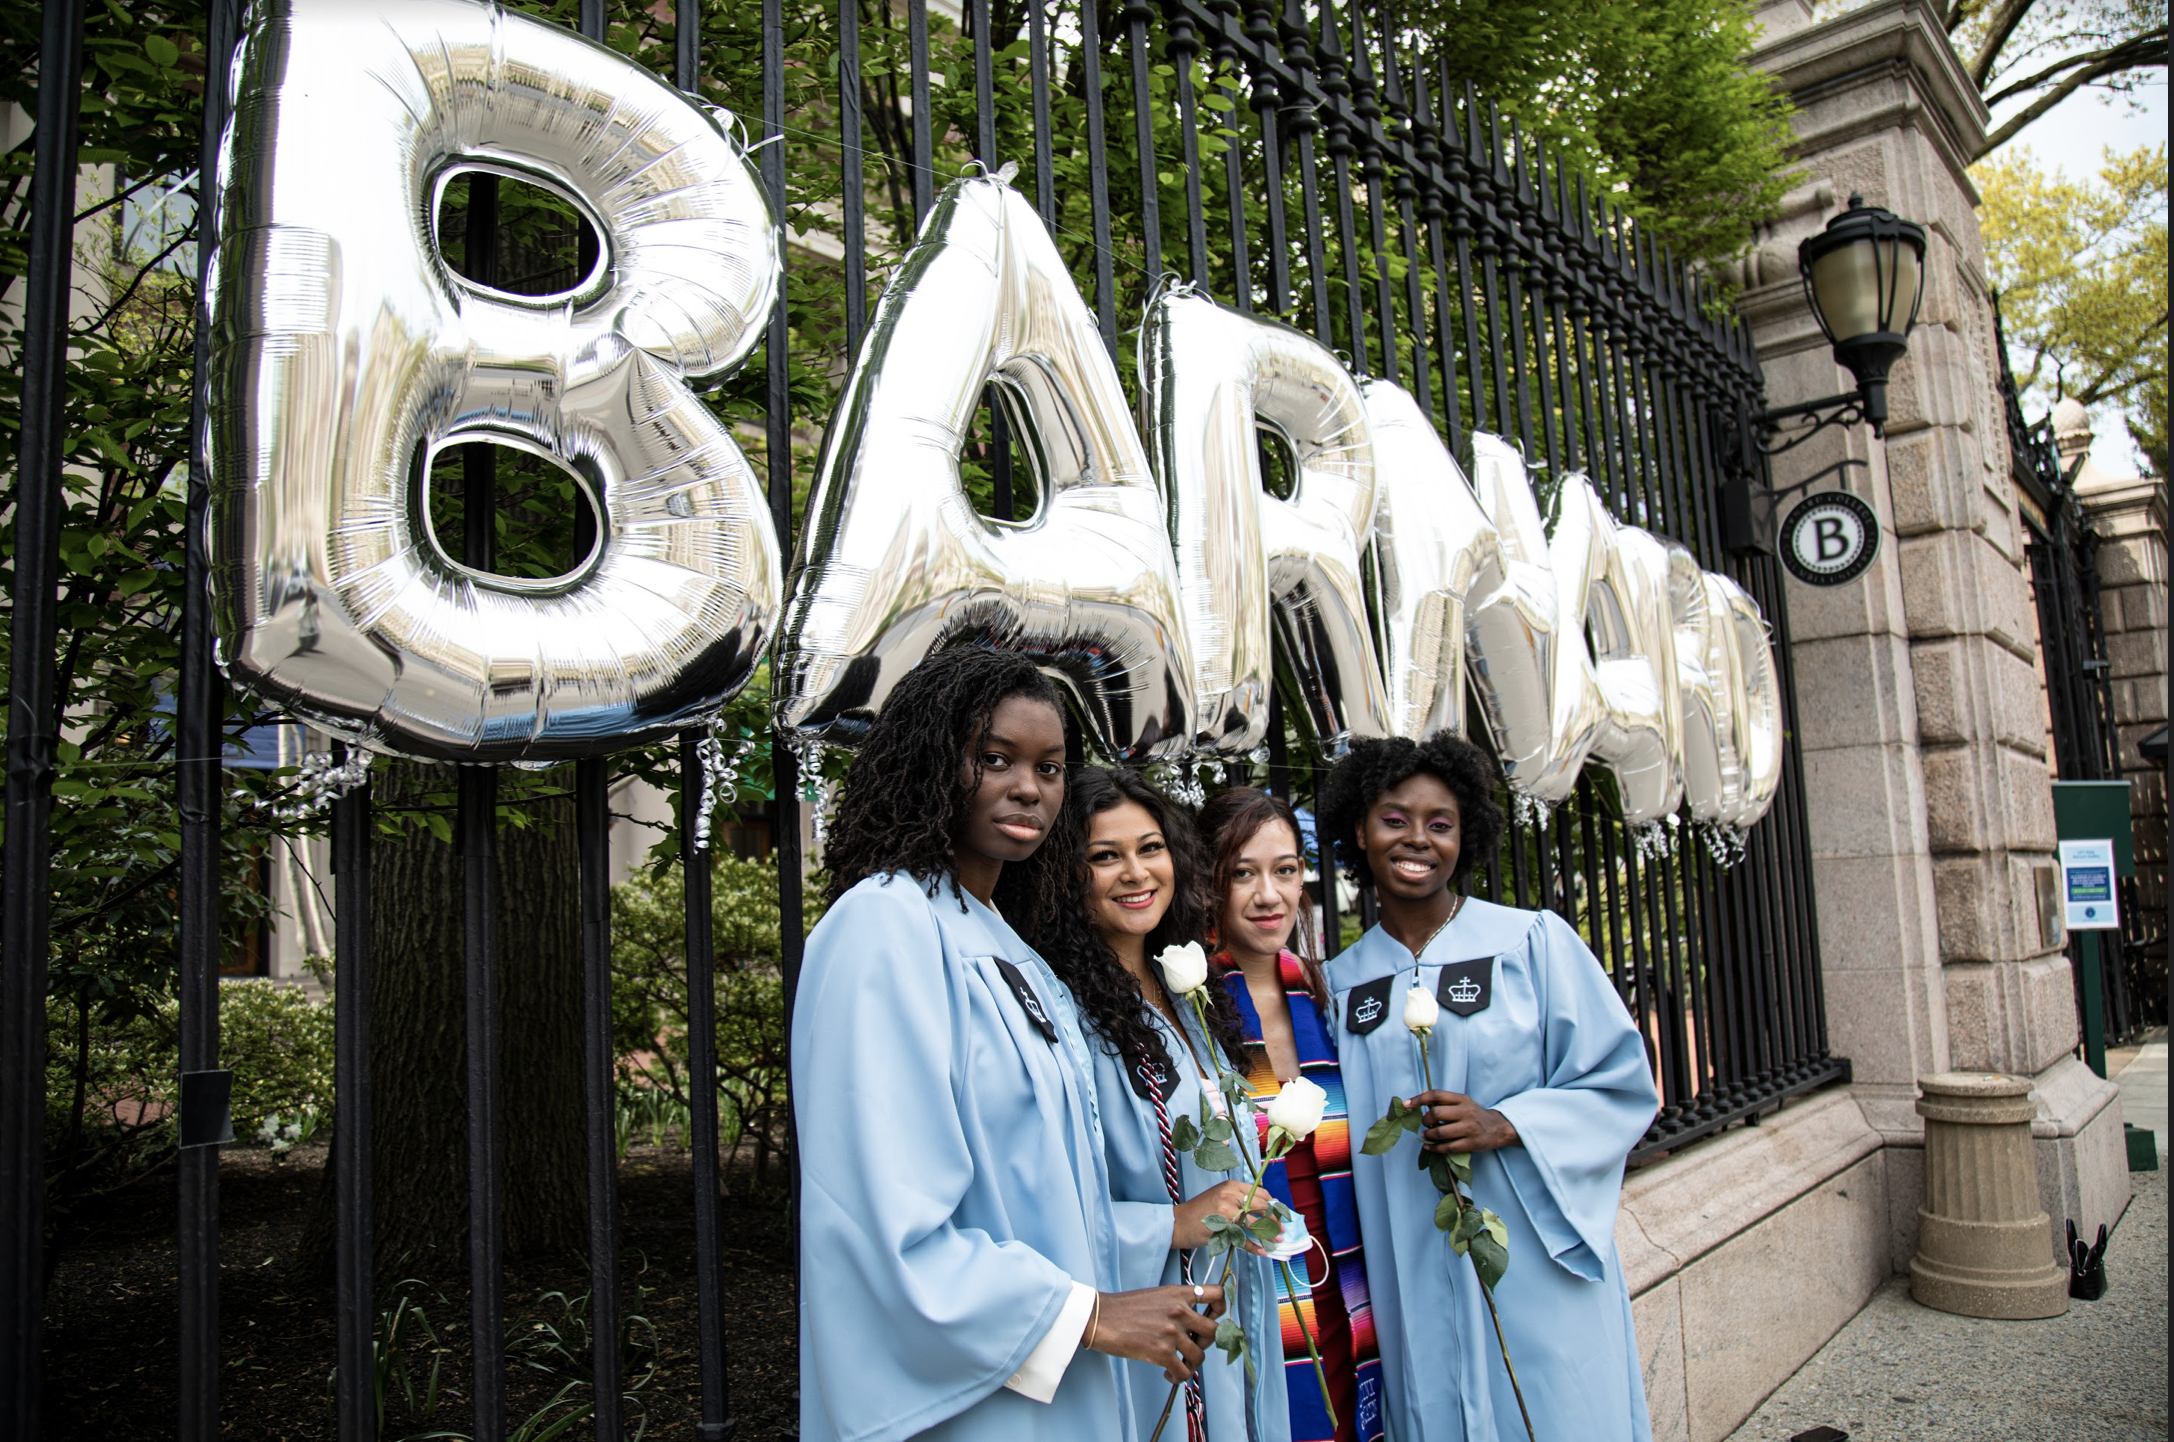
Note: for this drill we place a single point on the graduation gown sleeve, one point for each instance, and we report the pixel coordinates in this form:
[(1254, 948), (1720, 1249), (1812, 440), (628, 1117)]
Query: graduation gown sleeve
[(952, 1188)]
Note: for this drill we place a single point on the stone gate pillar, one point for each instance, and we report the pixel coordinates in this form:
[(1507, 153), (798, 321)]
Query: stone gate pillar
[(1923, 739)]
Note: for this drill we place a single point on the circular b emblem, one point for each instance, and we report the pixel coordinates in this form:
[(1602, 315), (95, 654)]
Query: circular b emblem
[(1829, 539)]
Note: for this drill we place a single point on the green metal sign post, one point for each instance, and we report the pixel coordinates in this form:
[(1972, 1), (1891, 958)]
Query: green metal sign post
[(2085, 812)]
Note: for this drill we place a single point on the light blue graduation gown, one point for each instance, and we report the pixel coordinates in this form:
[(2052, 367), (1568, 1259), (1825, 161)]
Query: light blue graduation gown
[(1133, 1142), (1556, 1052), (952, 1179)]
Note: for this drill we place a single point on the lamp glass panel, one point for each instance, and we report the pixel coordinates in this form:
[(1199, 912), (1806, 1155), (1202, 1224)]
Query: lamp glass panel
[(1846, 286), (1908, 272)]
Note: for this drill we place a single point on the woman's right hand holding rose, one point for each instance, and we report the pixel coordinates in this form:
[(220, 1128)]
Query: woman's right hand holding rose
[(1158, 1326), (1189, 1224)]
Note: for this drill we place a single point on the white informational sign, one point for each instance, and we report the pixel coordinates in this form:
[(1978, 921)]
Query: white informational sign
[(2087, 886)]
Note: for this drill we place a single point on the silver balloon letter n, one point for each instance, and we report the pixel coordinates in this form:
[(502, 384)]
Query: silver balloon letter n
[(347, 355)]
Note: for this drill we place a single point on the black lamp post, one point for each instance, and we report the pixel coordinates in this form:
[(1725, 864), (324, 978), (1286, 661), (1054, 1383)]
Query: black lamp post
[(1864, 277)]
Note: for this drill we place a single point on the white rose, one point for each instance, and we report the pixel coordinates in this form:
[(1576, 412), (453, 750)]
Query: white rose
[(1297, 1108), (1184, 968), (1421, 1010)]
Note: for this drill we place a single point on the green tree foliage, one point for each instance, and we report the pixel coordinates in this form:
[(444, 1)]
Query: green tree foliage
[(1650, 99), (2081, 268)]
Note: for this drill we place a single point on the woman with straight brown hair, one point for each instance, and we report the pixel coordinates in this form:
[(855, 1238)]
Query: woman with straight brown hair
[(1262, 911)]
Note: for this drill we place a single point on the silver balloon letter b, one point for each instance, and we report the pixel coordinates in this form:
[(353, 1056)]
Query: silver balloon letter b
[(347, 354)]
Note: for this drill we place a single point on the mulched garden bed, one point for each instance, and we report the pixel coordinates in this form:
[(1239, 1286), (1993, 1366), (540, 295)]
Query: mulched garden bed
[(111, 1316)]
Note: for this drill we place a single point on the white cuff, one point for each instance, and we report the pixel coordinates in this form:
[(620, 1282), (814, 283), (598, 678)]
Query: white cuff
[(1038, 1376)]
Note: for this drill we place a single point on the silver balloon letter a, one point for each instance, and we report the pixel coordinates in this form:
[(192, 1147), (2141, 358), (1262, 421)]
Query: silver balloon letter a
[(347, 354), (1214, 380), (894, 563)]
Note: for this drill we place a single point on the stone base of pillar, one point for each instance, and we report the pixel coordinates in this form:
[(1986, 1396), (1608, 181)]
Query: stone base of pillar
[(1957, 1269), (2083, 1161), (1982, 1245)]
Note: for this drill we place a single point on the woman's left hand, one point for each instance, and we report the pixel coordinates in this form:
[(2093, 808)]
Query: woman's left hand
[(1456, 1123)]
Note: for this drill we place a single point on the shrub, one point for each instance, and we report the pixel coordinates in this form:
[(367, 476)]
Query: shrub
[(113, 1081), (649, 1000)]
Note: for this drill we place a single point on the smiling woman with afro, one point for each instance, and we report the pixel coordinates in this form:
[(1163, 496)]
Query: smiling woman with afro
[(1538, 1076), (1373, 767)]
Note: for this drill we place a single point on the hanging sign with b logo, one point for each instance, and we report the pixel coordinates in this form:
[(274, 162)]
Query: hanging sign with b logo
[(1830, 539)]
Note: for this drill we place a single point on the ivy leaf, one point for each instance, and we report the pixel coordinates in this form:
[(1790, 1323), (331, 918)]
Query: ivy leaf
[(1490, 1258)]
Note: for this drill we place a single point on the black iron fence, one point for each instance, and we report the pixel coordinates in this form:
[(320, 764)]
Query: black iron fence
[(1293, 160)]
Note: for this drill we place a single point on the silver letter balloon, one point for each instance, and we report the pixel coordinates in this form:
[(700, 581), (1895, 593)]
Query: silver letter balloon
[(347, 355), (894, 563), (1215, 382)]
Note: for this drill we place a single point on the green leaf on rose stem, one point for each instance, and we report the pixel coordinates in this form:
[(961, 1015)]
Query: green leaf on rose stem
[(1469, 1224), (1184, 1136), (1230, 1337), (1435, 1165), (1266, 1229), (1382, 1137), (1445, 1217), (1236, 1092), (1490, 1259), (1219, 1129), (1460, 1165), (1215, 1156), (1495, 1229)]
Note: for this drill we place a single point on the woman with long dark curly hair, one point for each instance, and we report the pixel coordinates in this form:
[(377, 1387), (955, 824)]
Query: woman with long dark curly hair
[(1539, 1076), (959, 1255), (1142, 882), (1264, 957)]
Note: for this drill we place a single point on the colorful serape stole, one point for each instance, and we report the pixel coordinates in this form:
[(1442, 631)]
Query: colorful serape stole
[(1315, 1181)]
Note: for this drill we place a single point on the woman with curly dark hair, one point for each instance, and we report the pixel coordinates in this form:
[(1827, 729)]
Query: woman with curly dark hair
[(1264, 932), (1540, 1077), (959, 1256), (1143, 887)]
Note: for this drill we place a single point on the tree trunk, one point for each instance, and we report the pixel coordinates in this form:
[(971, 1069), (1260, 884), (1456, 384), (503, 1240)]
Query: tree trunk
[(418, 1044)]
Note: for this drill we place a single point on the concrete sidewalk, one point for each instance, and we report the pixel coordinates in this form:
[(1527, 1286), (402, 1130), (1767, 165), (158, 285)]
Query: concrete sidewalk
[(1904, 1373), (2142, 1079)]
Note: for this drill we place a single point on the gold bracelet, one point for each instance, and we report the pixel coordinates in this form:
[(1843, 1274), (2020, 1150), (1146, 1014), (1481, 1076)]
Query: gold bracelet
[(1094, 1323)]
